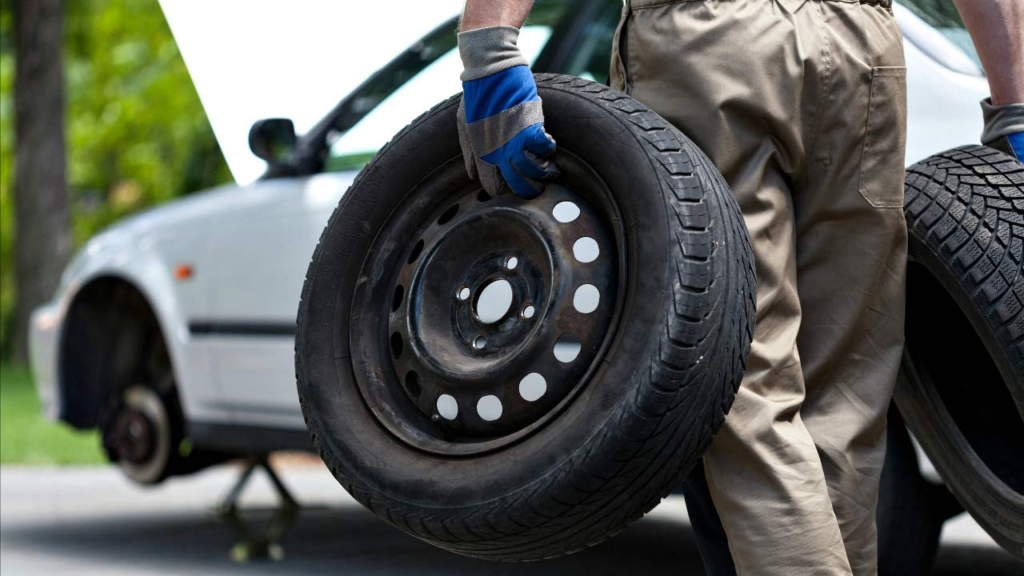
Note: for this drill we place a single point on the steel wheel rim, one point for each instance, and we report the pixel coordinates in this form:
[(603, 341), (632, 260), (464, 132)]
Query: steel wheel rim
[(424, 276)]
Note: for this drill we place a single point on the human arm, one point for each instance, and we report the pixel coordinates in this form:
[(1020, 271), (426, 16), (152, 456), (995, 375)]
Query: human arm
[(501, 123), (997, 29), (486, 13)]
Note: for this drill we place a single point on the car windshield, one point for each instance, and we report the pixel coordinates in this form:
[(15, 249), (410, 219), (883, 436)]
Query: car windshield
[(943, 16), (405, 91)]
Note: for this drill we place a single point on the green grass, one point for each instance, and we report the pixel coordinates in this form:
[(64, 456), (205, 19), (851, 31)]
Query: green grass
[(28, 438)]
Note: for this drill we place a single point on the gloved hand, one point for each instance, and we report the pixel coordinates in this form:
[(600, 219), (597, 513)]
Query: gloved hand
[(1016, 142), (501, 124), (1004, 128)]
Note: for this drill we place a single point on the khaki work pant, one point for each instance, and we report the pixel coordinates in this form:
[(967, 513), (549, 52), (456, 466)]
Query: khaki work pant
[(802, 106)]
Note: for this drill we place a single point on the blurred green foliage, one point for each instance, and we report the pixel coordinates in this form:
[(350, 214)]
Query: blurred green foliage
[(6, 173), (136, 132), (27, 438)]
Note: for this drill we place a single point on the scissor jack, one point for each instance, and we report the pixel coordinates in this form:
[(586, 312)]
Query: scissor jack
[(255, 544)]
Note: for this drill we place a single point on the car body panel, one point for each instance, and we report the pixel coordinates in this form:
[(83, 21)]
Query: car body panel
[(143, 253), (256, 290), (943, 109)]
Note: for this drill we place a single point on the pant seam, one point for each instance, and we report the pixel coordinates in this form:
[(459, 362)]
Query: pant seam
[(826, 82)]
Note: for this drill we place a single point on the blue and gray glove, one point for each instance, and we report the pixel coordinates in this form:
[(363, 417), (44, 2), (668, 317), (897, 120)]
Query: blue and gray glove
[(1004, 128), (501, 124)]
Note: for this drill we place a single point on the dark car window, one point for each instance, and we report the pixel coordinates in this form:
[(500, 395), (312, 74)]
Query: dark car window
[(943, 16), (591, 56)]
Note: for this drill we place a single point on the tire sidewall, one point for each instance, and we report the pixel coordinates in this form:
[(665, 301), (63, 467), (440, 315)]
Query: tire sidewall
[(988, 499)]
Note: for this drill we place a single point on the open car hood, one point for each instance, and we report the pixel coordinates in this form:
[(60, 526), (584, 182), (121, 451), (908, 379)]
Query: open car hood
[(266, 58)]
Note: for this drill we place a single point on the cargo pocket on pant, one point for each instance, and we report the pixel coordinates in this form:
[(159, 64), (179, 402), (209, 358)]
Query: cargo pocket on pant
[(885, 138)]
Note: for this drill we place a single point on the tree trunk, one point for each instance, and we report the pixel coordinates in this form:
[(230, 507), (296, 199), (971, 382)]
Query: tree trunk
[(42, 239)]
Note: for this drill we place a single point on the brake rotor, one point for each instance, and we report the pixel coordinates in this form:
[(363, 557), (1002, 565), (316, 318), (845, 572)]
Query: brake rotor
[(143, 435)]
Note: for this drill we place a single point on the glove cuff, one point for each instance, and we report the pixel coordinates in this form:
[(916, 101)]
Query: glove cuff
[(487, 51), (1001, 121)]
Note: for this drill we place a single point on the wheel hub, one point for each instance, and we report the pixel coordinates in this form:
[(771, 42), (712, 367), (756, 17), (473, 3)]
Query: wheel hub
[(499, 309), (142, 434), (134, 436)]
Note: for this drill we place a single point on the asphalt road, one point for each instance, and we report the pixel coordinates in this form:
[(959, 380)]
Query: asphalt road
[(91, 521)]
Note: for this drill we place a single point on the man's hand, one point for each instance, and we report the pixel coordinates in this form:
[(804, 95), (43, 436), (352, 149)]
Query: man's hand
[(501, 124)]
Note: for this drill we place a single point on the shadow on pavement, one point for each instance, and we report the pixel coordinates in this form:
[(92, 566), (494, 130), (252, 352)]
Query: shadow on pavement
[(349, 540), (346, 540)]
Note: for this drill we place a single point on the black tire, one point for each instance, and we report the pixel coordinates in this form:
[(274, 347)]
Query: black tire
[(648, 411), (961, 389)]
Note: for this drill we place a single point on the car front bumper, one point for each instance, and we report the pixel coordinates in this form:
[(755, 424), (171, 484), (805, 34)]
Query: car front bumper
[(44, 338)]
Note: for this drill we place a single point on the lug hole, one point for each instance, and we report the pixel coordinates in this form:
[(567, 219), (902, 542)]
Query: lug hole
[(567, 348), (415, 251), (396, 301), (448, 215), (397, 344), (532, 387), (566, 212), (463, 293), (447, 407), (511, 263), (586, 250), (528, 311), (479, 342), (489, 408), (586, 299), (412, 384)]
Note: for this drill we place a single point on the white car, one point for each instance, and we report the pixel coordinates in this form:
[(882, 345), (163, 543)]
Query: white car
[(172, 331)]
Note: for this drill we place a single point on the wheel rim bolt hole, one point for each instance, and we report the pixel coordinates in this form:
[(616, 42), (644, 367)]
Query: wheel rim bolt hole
[(566, 212), (463, 293), (489, 408), (586, 299), (532, 387), (447, 407), (528, 311), (567, 348), (479, 343), (586, 250)]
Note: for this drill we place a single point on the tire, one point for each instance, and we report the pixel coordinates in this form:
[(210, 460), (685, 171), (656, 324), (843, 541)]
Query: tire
[(961, 387), (646, 411)]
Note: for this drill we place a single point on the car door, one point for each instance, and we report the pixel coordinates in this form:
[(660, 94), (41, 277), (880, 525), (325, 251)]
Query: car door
[(261, 251)]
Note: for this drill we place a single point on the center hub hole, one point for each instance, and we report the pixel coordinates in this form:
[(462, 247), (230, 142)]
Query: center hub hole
[(494, 301)]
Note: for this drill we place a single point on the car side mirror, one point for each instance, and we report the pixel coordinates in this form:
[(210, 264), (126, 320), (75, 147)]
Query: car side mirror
[(273, 139)]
